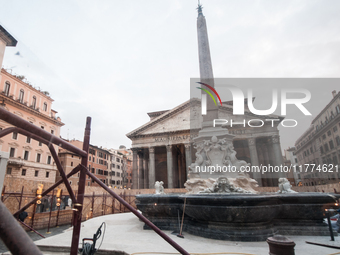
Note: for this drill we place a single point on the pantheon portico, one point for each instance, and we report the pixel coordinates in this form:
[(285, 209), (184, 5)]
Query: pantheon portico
[(163, 147)]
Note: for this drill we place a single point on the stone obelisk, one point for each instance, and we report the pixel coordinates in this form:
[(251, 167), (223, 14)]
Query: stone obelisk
[(215, 155), (207, 77), (206, 71)]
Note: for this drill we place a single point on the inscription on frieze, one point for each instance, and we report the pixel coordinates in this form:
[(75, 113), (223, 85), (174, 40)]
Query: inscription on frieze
[(176, 138)]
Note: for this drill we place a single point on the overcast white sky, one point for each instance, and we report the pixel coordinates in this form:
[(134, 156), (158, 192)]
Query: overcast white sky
[(117, 60)]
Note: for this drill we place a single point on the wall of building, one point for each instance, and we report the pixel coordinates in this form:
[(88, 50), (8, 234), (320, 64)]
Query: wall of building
[(320, 146), (28, 158)]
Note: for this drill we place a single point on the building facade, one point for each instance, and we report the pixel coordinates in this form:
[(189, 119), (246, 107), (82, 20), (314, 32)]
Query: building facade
[(163, 148), (127, 166), (319, 146), (293, 176), (116, 166), (68, 161), (6, 40), (28, 158)]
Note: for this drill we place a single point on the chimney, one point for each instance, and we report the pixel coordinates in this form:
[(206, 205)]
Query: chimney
[(334, 93)]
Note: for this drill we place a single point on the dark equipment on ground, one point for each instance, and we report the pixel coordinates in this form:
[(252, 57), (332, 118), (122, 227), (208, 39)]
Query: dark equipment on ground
[(88, 248)]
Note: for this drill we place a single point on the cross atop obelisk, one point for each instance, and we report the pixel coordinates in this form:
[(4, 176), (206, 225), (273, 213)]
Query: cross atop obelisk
[(206, 72)]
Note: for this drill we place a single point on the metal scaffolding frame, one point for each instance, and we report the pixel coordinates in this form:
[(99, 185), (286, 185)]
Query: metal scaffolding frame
[(13, 234)]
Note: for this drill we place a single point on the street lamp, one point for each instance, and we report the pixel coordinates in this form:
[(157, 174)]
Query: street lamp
[(39, 193)]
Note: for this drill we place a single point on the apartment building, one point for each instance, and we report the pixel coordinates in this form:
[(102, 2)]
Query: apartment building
[(69, 160), (319, 146), (127, 166), (28, 158), (116, 169), (294, 176), (6, 40)]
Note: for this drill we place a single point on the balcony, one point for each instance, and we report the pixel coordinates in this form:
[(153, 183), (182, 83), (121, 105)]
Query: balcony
[(18, 162)]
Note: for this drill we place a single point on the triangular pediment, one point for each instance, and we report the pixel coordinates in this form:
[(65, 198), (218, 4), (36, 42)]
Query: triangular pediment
[(174, 120), (31, 119), (13, 144), (178, 119), (18, 113), (28, 148)]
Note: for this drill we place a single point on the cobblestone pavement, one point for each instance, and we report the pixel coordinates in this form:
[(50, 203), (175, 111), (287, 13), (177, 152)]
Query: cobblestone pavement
[(35, 237)]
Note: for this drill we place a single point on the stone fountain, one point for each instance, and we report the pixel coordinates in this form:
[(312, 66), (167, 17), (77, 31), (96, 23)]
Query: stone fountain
[(225, 205)]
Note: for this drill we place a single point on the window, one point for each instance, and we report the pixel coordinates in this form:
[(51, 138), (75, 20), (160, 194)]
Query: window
[(12, 152), (321, 149), (49, 160), (331, 144), (118, 174), (326, 147), (113, 182), (329, 133), (335, 129), (26, 155), (34, 102), (9, 170), (117, 159), (337, 141), (42, 127), (38, 157), (113, 173), (48, 175), (15, 135), (7, 87), (40, 144), (71, 163), (335, 160), (23, 172), (45, 107), (36, 173), (118, 166), (28, 139), (21, 96), (337, 108), (324, 137), (118, 182), (52, 132)]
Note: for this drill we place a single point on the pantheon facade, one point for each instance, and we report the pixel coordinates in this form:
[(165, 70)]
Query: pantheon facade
[(164, 147)]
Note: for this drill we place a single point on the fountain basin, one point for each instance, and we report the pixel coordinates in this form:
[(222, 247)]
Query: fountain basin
[(239, 217)]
